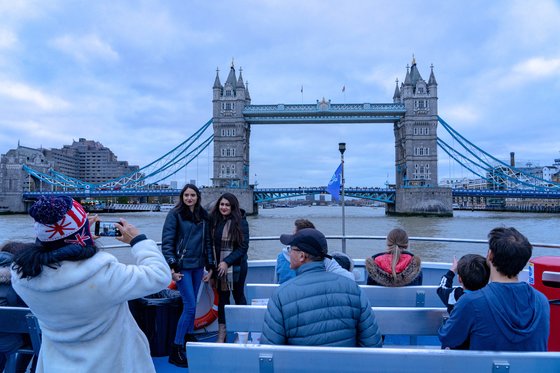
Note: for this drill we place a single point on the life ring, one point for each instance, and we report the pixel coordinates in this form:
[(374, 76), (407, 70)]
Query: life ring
[(210, 316)]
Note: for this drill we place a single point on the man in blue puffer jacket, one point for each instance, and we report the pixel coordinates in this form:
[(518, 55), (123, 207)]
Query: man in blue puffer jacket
[(318, 308)]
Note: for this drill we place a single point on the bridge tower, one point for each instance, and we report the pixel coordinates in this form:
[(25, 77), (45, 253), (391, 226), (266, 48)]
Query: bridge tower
[(417, 190), (231, 140), (231, 131)]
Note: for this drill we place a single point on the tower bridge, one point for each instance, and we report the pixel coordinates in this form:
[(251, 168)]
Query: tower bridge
[(413, 113)]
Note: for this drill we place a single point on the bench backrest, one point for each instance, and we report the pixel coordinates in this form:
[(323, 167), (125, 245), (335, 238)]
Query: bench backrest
[(21, 320), (411, 321), (219, 357), (379, 296)]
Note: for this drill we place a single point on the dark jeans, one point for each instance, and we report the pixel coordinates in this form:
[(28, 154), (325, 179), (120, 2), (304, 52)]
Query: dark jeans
[(188, 287), (238, 294)]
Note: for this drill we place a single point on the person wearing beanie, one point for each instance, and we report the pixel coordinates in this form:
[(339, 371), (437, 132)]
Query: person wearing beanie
[(317, 308), (80, 296)]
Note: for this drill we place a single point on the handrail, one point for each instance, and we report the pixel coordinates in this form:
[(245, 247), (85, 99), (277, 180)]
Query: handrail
[(347, 237)]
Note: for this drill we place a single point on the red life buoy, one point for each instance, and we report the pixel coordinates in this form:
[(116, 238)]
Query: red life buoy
[(210, 316)]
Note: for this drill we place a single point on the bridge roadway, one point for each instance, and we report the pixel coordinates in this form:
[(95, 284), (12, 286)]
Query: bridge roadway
[(386, 195)]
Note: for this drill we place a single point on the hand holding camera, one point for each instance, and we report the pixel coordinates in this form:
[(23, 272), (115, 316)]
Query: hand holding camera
[(127, 230), (122, 230)]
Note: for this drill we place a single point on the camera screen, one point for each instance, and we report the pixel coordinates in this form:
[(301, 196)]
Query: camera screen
[(106, 229)]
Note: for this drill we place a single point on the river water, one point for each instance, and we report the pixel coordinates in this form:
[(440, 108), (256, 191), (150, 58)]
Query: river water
[(360, 221)]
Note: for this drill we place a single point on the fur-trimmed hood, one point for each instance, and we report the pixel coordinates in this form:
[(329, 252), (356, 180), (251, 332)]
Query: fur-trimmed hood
[(5, 263), (381, 277)]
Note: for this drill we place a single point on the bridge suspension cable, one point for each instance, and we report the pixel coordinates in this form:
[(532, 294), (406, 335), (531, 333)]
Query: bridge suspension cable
[(154, 172), (488, 167)]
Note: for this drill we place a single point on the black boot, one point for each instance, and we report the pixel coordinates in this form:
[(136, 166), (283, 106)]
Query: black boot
[(178, 356)]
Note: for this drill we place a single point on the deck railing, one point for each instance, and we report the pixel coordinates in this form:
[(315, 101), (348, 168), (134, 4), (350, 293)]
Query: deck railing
[(382, 238)]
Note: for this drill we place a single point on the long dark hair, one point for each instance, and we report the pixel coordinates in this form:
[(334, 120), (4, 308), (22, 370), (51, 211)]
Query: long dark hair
[(198, 212), (235, 228), (29, 262)]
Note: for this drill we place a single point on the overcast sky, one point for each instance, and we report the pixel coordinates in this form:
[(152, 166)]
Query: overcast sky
[(137, 76)]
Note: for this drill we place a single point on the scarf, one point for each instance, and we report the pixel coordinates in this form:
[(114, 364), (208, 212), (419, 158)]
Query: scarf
[(226, 283)]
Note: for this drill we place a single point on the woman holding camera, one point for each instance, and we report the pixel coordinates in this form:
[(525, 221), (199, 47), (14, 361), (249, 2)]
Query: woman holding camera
[(230, 235), (187, 247), (80, 296)]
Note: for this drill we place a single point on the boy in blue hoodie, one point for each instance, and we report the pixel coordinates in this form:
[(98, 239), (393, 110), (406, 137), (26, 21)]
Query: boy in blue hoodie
[(505, 315)]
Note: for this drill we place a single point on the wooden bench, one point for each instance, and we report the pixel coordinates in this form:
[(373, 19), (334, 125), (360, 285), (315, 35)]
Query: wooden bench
[(379, 296), (20, 320), (220, 357), (403, 321)]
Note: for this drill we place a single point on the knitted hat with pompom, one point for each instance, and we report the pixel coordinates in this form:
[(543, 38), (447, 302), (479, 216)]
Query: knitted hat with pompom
[(60, 221)]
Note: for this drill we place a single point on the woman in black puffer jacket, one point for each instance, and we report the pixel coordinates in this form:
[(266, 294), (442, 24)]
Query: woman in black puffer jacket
[(187, 247)]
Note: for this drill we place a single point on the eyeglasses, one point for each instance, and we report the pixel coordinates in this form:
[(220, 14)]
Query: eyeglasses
[(292, 248)]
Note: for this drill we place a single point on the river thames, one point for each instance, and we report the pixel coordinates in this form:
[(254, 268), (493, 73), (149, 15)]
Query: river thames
[(360, 221)]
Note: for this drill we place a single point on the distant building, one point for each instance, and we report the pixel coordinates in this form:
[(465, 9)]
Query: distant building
[(89, 161), (85, 160), (14, 180), (552, 173), (463, 183)]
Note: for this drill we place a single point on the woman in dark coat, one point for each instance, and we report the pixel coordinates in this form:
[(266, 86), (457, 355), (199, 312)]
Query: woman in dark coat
[(396, 266), (187, 248), (230, 236)]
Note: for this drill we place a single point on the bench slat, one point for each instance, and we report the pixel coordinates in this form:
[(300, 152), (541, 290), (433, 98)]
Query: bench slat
[(218, 357), (391, 320), (379, 296)]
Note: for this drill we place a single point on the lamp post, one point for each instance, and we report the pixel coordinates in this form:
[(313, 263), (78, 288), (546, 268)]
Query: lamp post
[(342, 149)]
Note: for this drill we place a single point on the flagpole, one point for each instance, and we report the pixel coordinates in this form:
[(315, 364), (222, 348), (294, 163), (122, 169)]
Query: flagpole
[(342, 149)]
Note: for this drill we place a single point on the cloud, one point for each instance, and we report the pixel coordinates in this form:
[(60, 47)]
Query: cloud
[(462, 113), (7, 39), (536, 68), (22, 92), (85, 48)]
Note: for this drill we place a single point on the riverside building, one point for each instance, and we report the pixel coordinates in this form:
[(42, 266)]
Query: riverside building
[(86, 160)]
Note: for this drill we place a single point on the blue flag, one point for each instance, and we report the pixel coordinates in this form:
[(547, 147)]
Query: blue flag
[(334, 185)]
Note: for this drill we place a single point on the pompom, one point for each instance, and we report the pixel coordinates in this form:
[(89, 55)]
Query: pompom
[(49, 210)]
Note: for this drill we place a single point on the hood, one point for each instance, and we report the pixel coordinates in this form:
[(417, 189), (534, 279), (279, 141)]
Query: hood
[(515, 308), (286, 253), (6, 258), (384, 278), (5, 263)]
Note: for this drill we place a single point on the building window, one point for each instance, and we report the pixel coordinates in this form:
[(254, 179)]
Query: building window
[(229, 93), (421, 150), (422, 130), (229, 132), (228, 105), (228, 152), (227, 171)]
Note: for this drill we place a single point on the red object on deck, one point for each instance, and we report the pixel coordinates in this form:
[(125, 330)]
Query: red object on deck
[(544, 275)]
